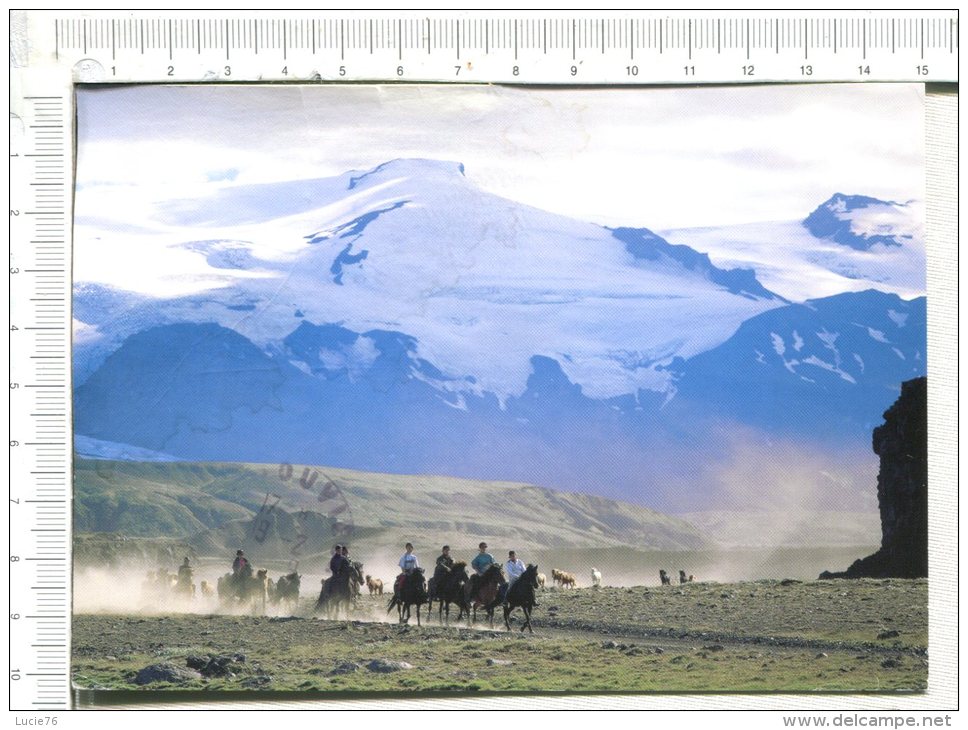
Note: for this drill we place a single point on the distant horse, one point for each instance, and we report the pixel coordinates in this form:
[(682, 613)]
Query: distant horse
[(413, 592), (374, 585), (521, 594), (556, 576), (356, 579), (245, 590), (682, 577), (568, 580), (664, 577), (450, 589), (542, 579), (287, 591), (486, 594), (596, 578), (184, 588)]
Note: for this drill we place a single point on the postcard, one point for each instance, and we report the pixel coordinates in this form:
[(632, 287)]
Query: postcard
[(403, 389)]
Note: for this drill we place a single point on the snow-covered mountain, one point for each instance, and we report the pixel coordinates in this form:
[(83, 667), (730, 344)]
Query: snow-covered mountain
[(849, 243), (482, 283), (402, 320)]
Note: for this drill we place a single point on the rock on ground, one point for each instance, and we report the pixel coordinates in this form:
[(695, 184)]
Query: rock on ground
[(388, 665), (165, 673)]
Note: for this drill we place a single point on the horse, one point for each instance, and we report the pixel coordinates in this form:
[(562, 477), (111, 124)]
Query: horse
[(684, 579), (412, 592), (567, 579), (596, 578), (337, 591), (521, 593), (374, 585), (356, 579), (450, 589), (245, 589), (184, 588), (664, 577), (556, 576), (287, 591), (487, 593), (542, 579), (439, 576)]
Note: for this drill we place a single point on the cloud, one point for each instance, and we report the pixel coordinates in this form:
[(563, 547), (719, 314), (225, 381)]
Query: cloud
[(651, 157)]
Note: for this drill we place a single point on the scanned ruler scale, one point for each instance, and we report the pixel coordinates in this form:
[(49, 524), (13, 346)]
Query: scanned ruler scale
[(64, 52)]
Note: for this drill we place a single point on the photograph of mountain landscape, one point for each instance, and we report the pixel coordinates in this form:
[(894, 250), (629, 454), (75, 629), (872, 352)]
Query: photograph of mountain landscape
[(615, 330)]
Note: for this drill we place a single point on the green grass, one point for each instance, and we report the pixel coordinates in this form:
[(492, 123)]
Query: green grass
[(301, 655)]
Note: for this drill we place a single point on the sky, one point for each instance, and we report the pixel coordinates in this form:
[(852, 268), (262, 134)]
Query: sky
[(662, 158)]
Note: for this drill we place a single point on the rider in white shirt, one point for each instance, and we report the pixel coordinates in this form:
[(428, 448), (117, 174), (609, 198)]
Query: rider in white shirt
[(515, 569), (408, 563)]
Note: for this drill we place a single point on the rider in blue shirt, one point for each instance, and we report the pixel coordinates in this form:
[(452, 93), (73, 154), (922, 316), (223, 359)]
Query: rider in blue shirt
[(481, 562)]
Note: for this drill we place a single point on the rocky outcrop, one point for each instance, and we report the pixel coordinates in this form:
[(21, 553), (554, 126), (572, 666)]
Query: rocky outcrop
[(902, 490)]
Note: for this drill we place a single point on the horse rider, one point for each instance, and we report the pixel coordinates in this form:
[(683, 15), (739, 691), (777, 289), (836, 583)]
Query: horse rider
[(444, 558), (408, 563), (240, 565), (185, 573), (337, 564), (481, 562), (515, 569)]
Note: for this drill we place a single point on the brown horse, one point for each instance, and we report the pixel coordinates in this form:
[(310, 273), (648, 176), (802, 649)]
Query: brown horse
[(568, 580), (487, 593), (287, 591), (245, 590), (374, 585)]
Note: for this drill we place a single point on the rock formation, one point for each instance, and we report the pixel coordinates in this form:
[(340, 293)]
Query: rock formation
[(902, 490)]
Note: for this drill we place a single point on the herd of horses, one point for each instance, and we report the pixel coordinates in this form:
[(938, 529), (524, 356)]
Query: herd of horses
[(448, 587), (451, 586)]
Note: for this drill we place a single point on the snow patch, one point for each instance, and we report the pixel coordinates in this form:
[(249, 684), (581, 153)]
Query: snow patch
[(778, 345), (817, 362), (899, 318), (84, 333), (877, 335)]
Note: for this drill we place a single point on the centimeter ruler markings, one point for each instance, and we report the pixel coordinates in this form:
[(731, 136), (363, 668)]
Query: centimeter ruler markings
[(646, 48), (40, 404), (609, 50)]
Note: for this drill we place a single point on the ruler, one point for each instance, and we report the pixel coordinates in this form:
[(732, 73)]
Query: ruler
[(40, 400), (611, 48), (51, 51)]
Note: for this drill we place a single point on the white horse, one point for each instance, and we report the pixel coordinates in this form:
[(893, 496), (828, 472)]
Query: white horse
[(596, 578)]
